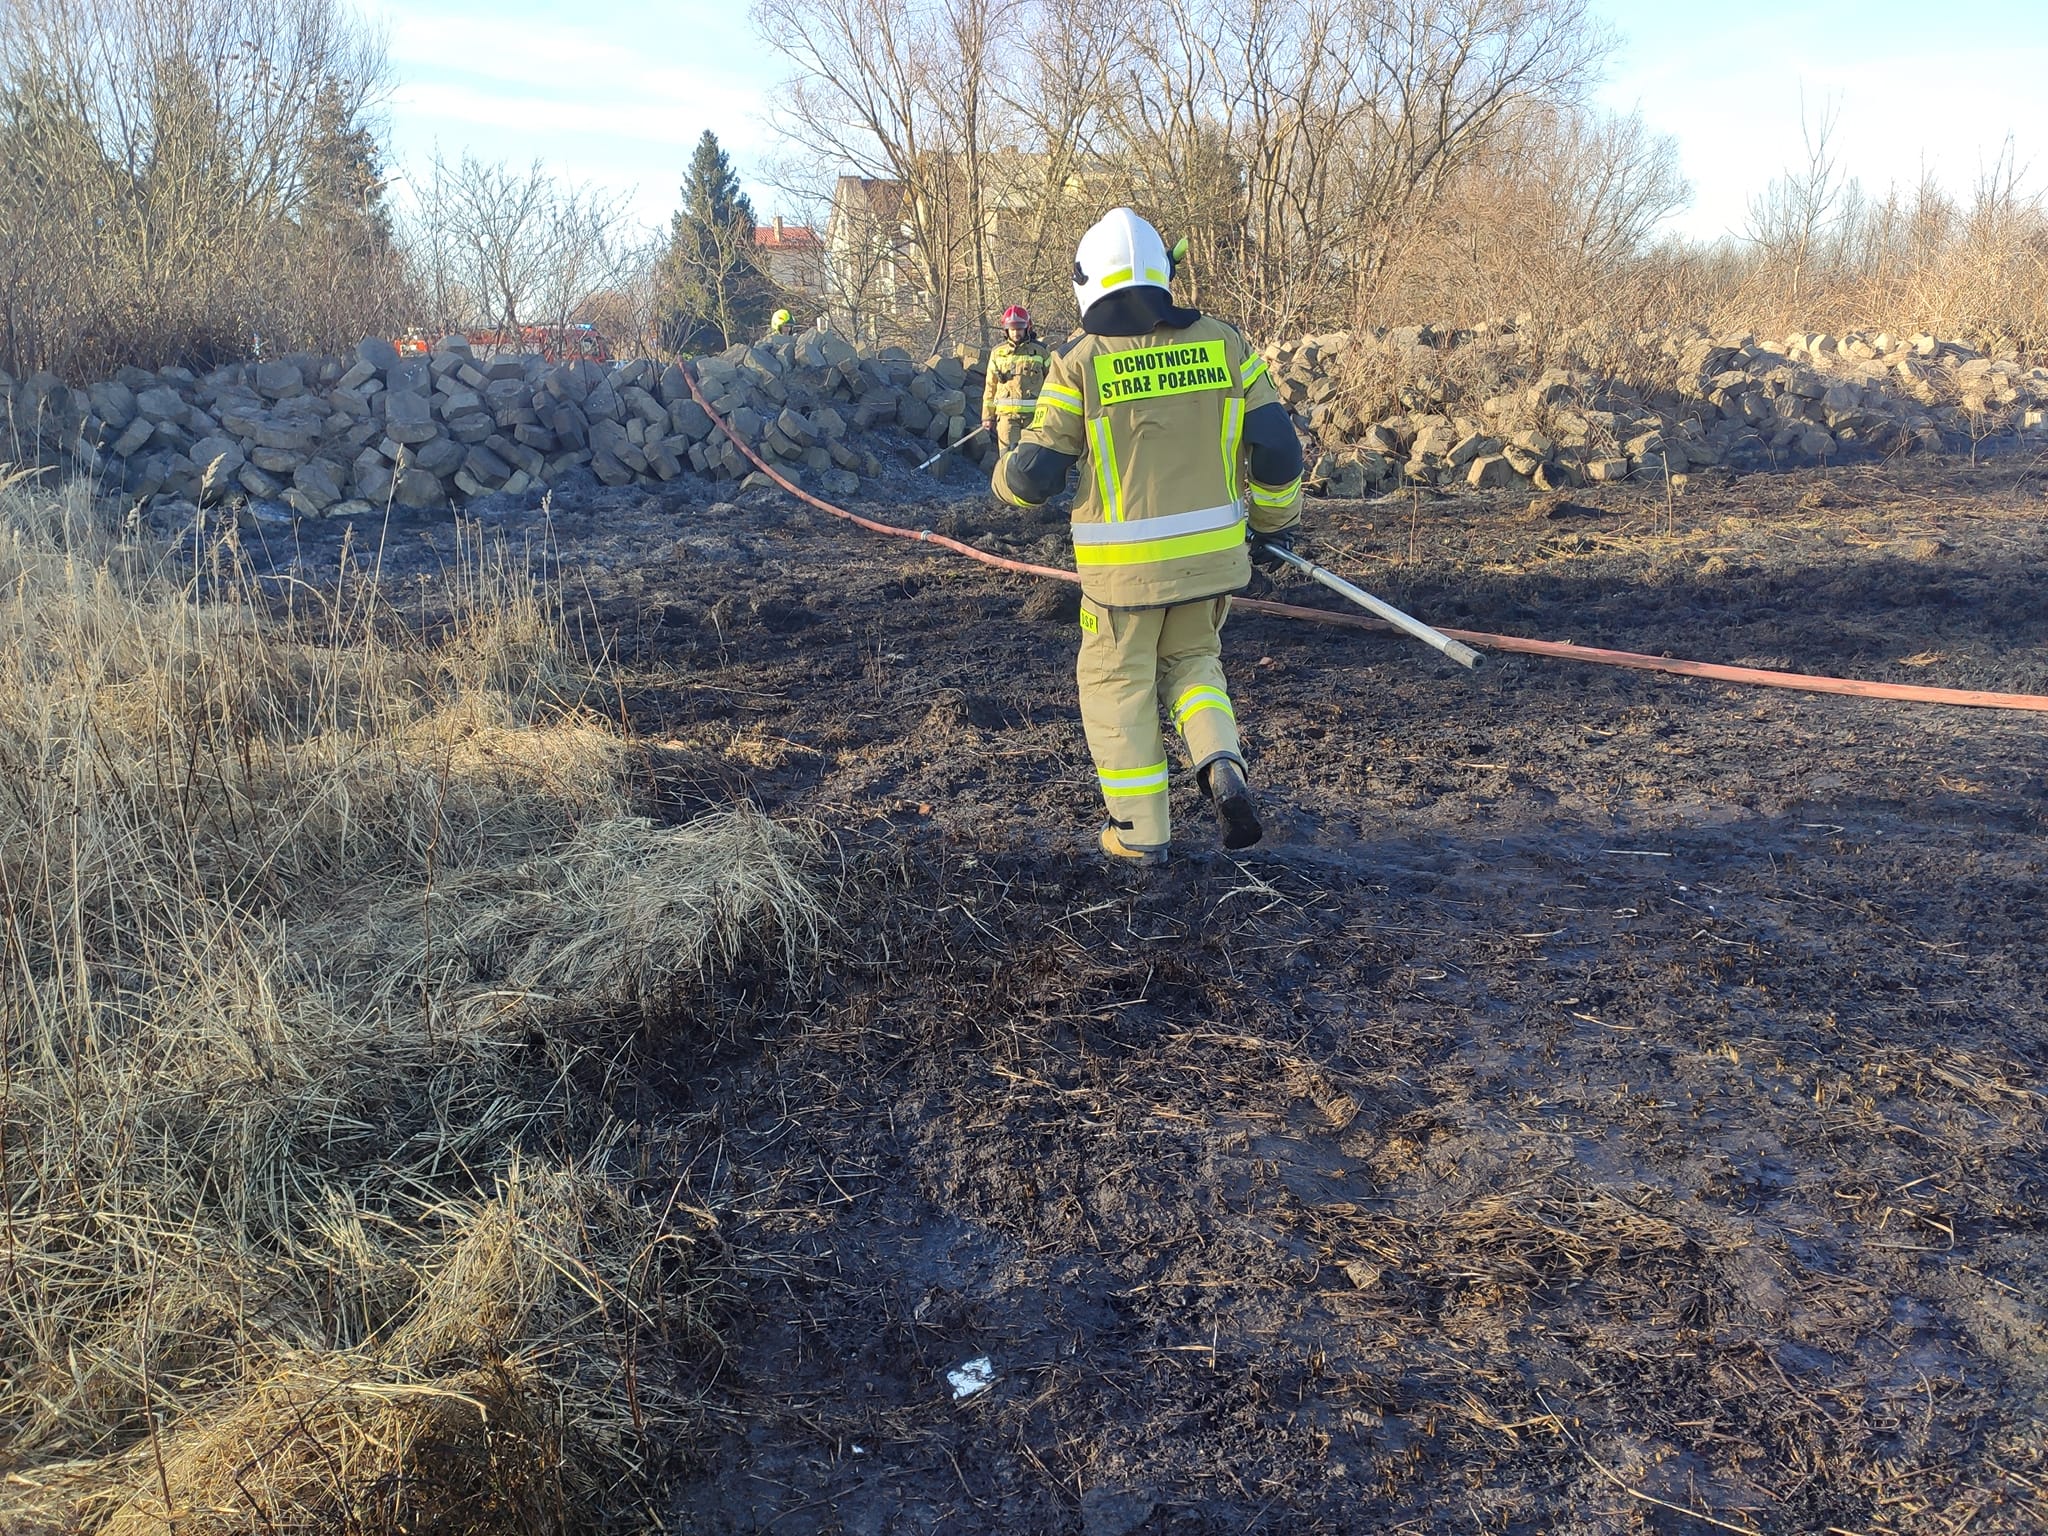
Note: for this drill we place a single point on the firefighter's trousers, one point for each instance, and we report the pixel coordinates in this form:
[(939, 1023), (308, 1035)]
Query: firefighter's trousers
[(1010, 427), (1135, 662)]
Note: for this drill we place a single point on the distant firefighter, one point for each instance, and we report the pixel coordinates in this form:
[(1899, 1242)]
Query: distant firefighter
[(1016, 372)]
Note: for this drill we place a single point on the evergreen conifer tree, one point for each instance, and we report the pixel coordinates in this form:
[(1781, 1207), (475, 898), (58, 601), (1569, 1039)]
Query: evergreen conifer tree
[(712, 291)]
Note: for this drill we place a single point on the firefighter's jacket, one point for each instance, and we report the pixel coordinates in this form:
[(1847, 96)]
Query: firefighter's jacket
[(1158, 424), (1016, 372)]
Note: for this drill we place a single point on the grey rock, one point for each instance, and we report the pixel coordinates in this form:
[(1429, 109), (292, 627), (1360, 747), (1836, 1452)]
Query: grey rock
[(407, 416), (793, 426), (276, 461), (603, 403), (410, 373), (486, 468), (570, 424), (317, 485), (278, 380), (161, 404), (644, 406), (1491, 472), (258, 483), (220, 458), (747, 424), (378, 354), (439, 456), (689, 419), (516, 454), (507, 394), (1472, 445), (373, 478), (113, 403), (418, 490), (131, 441)]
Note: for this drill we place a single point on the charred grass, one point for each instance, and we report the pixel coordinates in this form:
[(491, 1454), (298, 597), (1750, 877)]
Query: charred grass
[(1609, 1104)]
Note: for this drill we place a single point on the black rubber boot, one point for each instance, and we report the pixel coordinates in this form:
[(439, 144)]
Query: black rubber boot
[(1234, 804)]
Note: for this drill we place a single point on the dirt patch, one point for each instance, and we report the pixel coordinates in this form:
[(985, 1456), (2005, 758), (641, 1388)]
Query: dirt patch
[(1603, 1093)]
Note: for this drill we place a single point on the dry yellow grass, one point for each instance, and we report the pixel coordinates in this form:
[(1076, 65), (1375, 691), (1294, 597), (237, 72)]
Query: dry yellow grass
[(290, 911)]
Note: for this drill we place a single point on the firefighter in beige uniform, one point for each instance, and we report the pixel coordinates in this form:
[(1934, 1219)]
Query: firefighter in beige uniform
[(1016, 371), (1180, 429)]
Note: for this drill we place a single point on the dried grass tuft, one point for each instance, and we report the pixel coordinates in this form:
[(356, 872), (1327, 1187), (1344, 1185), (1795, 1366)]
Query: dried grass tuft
[(296, 916)]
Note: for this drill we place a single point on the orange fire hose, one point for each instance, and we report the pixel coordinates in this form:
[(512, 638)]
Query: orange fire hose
[(1563, 650)]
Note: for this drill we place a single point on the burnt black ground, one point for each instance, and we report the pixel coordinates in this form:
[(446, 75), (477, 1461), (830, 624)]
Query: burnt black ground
[(1602, 1089)]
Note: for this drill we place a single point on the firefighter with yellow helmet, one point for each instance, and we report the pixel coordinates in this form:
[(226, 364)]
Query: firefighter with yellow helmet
[(1016, 372), (1190, 470)]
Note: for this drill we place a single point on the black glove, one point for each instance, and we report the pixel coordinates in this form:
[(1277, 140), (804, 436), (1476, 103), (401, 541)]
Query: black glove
[(1264, 545)]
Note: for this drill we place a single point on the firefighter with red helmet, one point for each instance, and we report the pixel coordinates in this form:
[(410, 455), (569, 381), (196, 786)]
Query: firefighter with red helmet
[(1016, 370)]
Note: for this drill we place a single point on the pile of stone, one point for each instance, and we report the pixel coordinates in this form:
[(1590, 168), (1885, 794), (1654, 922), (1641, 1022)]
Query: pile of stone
[(320, 436), (1490, 407)]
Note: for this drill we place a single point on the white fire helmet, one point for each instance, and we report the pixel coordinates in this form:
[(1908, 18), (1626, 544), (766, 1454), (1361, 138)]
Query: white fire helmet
[(1121, 251)]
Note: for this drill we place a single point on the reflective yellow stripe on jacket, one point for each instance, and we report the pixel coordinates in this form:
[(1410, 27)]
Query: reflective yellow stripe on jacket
[(1061, 398), (1108, 482), (1233, 438), (1151, 539), (1277, 496)]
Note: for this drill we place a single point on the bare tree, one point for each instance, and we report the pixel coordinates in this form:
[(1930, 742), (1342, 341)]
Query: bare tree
[(1302, 144), (163, 165), (1800, 218), (1053, 100), (503, 248), (900, 91)]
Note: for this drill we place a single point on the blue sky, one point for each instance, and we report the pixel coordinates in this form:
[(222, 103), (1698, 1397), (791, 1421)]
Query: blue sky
[(616, 93)]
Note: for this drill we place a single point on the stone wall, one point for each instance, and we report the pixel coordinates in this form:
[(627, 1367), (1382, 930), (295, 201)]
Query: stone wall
[(1486, 407), (323, 436), (1491, 407)]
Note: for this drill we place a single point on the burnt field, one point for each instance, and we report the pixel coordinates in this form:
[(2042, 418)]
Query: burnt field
[(1607, 1101)]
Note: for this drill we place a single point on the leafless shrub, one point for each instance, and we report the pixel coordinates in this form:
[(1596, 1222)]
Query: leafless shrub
[(181, 177), (1976, 270)]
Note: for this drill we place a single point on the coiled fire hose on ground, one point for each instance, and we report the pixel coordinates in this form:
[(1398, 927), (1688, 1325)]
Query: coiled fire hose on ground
[(1562, 650)]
